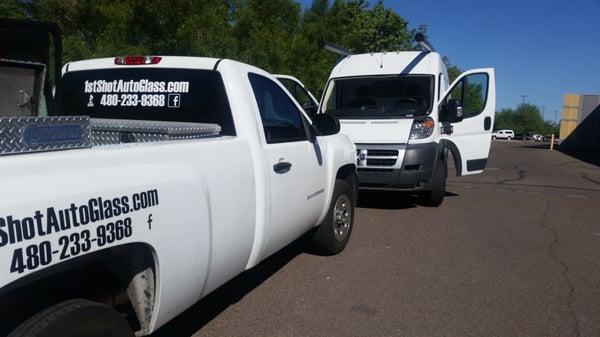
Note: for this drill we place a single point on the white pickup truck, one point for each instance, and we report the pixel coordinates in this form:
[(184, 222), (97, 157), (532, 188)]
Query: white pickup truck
[(404, 118), (189, 171)]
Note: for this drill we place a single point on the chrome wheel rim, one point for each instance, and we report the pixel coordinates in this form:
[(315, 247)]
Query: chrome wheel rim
[(342, 217)]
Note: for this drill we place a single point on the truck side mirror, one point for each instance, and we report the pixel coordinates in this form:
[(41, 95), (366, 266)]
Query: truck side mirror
[(454, 111), (325, 124)]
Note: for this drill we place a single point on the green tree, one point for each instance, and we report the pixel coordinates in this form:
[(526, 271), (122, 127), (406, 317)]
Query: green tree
[(275, 35), (525, 118), (266, 33), (453, 70), (13, 9)]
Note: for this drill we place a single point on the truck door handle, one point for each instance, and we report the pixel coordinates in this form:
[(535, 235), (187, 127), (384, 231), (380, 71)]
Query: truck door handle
[(282, 167), (487, 123)]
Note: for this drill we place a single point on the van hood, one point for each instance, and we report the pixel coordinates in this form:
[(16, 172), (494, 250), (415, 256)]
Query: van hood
[(377, 131)]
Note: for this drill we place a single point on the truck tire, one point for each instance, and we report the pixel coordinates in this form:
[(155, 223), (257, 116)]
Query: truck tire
[(75, 318), (435, 196), (333, 233)]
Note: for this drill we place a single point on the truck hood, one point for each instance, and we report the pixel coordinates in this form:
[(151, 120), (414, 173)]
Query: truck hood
[(377, 131)]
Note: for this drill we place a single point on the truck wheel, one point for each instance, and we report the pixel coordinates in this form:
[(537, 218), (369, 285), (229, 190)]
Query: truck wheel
[(75, 318), (435, 196), (333, 233)]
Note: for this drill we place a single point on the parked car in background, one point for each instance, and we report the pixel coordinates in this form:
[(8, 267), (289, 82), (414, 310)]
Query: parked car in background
[(534, 137), (503, 134), (306, 99)]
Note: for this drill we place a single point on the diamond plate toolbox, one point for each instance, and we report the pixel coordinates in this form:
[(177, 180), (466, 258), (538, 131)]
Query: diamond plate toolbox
[(35, 134), (115, 131)]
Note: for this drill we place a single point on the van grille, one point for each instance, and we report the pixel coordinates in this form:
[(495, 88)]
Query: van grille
[(381, 162), (376, 157), (383, 153)]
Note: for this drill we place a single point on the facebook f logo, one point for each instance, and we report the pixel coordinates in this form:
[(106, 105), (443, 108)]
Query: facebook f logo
[(174, 101)]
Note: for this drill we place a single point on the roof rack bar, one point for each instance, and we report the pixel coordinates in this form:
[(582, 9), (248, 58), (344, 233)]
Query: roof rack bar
[(332, 48), (422, 41)]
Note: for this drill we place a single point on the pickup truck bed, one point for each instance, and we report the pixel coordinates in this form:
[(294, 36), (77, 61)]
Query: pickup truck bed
[(182, 212)]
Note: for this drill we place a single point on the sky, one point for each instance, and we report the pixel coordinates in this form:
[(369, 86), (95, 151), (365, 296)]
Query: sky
[(539, 48)]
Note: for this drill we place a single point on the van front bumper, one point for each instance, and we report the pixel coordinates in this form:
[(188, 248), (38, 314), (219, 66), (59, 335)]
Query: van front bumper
[(412, 171)]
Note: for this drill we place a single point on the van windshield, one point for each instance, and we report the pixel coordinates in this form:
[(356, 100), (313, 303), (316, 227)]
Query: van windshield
[(379, 97), (156, 94)]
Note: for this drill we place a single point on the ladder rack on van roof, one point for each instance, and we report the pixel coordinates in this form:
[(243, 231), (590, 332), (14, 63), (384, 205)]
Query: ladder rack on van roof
[(419, 38)]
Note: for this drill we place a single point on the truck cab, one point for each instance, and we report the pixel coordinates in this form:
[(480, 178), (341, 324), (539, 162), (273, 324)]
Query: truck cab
[(405, 119)]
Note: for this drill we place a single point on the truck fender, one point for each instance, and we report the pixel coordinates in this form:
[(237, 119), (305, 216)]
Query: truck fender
[(114, 276), (348, 173), (343, 166)]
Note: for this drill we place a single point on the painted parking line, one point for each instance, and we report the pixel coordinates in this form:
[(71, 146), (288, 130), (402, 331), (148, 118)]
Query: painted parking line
[(577, 196), (522, 192)]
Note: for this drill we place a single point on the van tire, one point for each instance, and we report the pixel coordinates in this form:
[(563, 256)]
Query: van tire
[(435, 196), (508, 138), (332, 235), (75, 318), (493, 137)]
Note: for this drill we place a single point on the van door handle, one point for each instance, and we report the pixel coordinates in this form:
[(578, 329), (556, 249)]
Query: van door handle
[(487, 123), (282, 167)]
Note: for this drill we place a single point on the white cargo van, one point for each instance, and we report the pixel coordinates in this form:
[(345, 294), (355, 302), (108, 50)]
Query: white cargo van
[(405, 118)]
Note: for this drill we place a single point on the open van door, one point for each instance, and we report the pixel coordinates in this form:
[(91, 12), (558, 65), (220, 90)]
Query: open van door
[(466, 115)]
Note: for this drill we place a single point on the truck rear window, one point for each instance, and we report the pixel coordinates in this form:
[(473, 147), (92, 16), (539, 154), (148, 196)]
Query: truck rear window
[(157, 94)]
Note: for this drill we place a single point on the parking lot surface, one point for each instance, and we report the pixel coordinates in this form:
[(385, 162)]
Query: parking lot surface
[(512, 252)]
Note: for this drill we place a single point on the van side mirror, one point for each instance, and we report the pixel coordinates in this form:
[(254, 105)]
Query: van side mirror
[(325, 124), (454, 111)]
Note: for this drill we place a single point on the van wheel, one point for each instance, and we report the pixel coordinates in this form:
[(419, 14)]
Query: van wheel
[(333, 233), (435, 196), (508, 138), (75, 318), (494, 137)]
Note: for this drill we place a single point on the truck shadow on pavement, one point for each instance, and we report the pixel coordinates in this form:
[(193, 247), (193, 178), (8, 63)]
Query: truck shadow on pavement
[(391, 200), (192, 320)]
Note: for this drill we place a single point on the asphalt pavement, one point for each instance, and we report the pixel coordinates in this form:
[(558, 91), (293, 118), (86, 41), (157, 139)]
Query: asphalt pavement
[(512, 252)]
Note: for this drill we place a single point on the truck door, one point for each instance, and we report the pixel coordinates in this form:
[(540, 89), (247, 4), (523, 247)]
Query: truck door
[(296, 170), (472, 97)]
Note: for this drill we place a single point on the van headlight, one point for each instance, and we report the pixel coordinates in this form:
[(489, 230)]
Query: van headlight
[(422, 128)]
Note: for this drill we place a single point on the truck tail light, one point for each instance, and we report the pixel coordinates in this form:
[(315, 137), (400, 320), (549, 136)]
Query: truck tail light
[(136, 60), (422, 128)]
